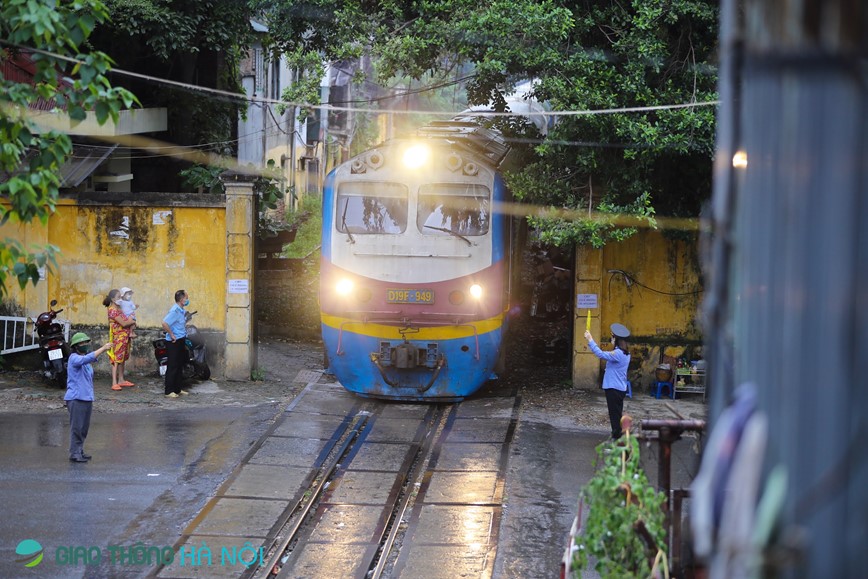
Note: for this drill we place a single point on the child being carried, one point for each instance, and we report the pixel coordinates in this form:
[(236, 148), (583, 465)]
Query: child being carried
[(128, 307)]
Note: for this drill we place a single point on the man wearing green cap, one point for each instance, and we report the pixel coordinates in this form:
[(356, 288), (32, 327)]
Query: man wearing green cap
[(79, 393)]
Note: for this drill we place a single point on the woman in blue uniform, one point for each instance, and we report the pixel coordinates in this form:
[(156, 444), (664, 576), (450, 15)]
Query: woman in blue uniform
[(615, 376)]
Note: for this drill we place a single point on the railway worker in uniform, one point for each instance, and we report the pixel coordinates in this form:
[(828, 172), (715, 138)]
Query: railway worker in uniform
[(79, 393), (615, 376)]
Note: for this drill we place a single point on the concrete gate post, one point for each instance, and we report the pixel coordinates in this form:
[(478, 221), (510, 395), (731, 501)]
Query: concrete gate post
[(240, 348), (589, 283)]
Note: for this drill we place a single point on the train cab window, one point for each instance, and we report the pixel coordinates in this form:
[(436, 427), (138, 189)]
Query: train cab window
[(453, 208), (371, 208)]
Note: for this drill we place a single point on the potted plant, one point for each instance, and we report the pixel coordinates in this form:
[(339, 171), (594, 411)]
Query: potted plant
[(204, 179), (273, 234), (625, 528)]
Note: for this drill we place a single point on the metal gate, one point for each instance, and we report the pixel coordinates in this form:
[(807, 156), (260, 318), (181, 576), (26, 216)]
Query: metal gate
[(19, 333)]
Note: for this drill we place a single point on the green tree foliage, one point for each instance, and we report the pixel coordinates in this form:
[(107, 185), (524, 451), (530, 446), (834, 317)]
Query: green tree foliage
[(582, 56), (643, 54), (196, 42), (77, 81), (269, 188), (308, 220)]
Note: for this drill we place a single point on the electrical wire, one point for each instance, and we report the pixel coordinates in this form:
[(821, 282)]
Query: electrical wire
[(265, 102), (246, 138), (596, 144), (328, 107), (250, 137), (632, 280), (409, 92)]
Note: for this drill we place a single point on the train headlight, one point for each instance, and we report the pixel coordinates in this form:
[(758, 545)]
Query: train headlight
[(476, 291), (344, 287), (415, 156)]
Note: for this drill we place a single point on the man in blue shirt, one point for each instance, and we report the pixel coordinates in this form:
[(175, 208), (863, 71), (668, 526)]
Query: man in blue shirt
[(175, 325), (79, 393)]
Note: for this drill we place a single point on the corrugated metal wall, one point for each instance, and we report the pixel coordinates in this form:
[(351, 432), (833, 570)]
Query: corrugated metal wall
[(795, 299)]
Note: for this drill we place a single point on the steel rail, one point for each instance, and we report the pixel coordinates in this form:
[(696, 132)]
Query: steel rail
[(324, 478), (416, 476)]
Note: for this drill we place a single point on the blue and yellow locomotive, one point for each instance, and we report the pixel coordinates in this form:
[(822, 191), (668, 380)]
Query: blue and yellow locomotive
[(416, 264)]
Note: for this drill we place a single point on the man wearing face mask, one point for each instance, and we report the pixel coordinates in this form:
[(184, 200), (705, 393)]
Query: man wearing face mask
[(175, 325), (79, 393)]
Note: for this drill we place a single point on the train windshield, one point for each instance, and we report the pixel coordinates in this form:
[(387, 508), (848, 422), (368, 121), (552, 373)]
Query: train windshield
[(371, 208), (453, 209)]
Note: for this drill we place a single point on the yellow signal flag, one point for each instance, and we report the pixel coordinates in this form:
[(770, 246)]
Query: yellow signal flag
[(588, 322)]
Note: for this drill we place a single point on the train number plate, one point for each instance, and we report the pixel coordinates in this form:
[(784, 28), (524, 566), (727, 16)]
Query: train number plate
[(410, 296), (55, 354)]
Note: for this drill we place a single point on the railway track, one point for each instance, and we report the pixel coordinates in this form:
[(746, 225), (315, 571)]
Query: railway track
[(347, 487)]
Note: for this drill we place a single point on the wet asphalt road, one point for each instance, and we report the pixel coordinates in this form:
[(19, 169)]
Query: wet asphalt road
[(542, 498), (150, 475), (153, 471)]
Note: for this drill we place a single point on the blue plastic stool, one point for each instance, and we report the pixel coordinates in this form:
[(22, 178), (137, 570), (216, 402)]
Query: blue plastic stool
[(658, 387)]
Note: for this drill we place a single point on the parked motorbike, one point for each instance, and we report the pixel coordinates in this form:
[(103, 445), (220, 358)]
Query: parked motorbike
[(194, 365), (52, 345)]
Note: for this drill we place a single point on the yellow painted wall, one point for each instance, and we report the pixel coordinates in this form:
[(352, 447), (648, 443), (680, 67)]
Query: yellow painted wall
[(655, 320), (166, 248)]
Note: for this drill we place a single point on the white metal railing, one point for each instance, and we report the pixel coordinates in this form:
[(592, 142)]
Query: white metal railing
[(19, 333)]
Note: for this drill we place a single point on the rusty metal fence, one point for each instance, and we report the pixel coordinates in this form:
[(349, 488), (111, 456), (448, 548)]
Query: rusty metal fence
[(19, 333)]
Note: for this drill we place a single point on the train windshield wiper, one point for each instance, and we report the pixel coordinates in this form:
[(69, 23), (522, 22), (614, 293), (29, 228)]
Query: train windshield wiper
[(450, 232), (344, 222)]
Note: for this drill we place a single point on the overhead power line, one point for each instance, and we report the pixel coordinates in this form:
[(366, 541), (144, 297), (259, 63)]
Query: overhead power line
[(328, 107)]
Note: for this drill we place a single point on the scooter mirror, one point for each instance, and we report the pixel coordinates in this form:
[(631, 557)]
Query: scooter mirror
[(53, 303)]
